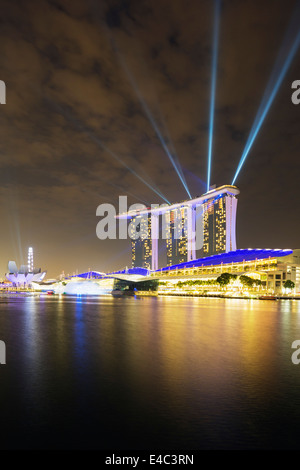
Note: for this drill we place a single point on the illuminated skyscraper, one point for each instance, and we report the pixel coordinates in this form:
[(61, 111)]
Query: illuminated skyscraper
[(194, 228), (176, 236), (142, 246), (219, 224)]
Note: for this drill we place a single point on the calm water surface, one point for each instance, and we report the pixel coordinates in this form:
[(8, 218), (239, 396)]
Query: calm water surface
[(149, 373)]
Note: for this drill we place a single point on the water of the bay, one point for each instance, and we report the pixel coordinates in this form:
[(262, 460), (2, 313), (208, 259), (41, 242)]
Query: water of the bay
[(149, 373)]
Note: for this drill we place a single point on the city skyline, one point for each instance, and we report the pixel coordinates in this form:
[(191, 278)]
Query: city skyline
[(75, 129)]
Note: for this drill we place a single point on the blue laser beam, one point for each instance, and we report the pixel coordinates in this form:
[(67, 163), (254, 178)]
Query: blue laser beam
[(87, 130), (130, 169), (171, 146), (178, 168), (199, 182), (282, 64), (153, 123), (213, 88)]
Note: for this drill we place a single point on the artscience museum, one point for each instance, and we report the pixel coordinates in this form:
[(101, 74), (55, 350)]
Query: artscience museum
[(23, 277)]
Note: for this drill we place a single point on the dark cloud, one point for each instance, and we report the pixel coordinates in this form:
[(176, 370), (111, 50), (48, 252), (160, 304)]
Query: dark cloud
[(113, 18), (174, 39), (237, 134)]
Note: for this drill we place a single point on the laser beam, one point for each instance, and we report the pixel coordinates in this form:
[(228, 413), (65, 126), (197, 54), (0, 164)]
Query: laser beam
[(171, 146), (153, 123), (284, 59), (116, 157), (213, 88), (87, 130)]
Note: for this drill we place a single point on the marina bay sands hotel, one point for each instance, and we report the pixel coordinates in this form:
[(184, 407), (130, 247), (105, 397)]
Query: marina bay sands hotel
[(189, 230)]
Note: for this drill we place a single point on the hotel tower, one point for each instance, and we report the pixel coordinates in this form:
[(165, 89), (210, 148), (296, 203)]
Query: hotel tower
[(210, 217)]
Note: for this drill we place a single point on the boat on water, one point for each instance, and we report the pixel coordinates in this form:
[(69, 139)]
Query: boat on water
[(267, 297)]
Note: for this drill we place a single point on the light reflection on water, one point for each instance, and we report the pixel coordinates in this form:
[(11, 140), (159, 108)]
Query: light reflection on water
[(181, 373)]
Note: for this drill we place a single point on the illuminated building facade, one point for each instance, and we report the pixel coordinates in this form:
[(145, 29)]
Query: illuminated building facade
[(176, 236), (219, 224), (141, 247), (272, 267), (288, 269), (24, 276), (217, 232)]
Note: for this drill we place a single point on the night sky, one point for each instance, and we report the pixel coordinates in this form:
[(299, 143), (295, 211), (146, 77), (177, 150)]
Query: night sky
[(75, 72)]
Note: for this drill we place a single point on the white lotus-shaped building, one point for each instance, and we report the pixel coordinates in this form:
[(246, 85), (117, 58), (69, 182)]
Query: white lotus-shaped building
[(23, 277)]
